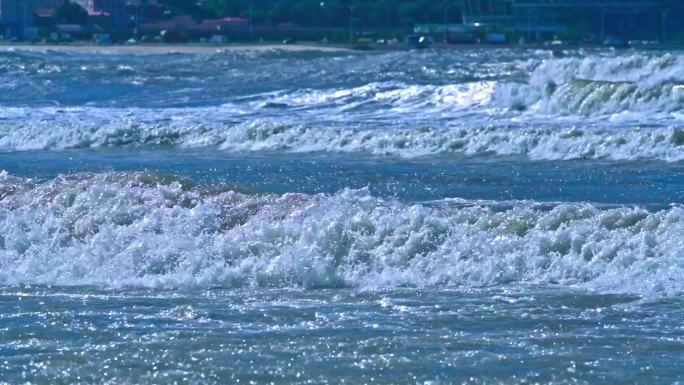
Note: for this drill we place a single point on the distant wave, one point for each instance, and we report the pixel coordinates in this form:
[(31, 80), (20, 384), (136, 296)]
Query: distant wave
[(385, 97), (94, 128), (140, 229), (592, 83), (600, 85), (602, 106)]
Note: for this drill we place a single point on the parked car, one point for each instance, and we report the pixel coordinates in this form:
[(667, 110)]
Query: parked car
[(102, 38), (171, 37)]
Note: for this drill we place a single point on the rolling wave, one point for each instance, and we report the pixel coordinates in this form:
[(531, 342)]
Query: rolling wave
[(625, 107), (598, 85), (142, 229), (96, 128)]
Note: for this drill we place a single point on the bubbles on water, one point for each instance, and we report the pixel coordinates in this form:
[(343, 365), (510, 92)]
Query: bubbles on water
[(590, 105), (119, 229), (596, 85)]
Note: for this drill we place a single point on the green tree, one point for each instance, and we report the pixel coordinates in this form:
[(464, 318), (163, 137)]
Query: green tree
[(71, 13), (197, 9), (220, 7), (368, 13)]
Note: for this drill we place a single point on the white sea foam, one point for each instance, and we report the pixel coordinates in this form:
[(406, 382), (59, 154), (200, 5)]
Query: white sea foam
[(92, 128), (117, 230), (395, 96), (600, 85), (594, 107), (536, 143)]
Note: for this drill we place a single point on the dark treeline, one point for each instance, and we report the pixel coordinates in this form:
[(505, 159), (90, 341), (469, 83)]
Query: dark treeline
[(327, 13), (403, 14)]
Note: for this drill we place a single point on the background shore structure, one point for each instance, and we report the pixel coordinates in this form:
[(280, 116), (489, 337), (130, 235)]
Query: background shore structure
[(191, 48), (456, 21)]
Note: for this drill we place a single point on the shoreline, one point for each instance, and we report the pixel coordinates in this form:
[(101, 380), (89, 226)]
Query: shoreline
[(161, 49), (151, 49)]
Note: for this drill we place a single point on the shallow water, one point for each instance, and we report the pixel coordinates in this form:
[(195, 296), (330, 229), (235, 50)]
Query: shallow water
[(494, 335), (460, 216)]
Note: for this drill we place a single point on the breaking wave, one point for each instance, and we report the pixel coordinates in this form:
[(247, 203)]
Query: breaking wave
[(386, 97), (598, 85), (141, 229), (94, 128), (598, 106)]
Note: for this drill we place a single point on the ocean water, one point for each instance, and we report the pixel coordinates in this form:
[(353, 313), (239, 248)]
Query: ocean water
[(463, 216)]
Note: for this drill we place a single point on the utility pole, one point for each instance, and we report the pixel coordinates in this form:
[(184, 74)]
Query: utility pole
[(446, 14), (328, 24), (529, 26), (137, 20), (464, 11), (664, 24), (537, 32), (23, 21), (603, 25), (249, 20), (351, 23), (389, 19)]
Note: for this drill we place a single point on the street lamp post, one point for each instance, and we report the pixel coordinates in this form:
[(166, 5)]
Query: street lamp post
[(464, 11), (329, 18), (529, 26), (664, 23), (537, 31), (24, 23), (137, 20), (603, 26), (446, 14), (389, 19), (249, 21), (351, 23)]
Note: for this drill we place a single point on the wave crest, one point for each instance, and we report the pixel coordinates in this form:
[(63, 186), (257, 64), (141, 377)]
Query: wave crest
[(598, 85), (95, 128), (140, 229)]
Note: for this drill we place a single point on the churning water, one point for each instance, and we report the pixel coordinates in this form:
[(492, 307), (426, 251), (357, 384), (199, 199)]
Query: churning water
[(494, 216)]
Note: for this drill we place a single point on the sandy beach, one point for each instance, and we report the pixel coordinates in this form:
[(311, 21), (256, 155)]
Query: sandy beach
[(163, 48)]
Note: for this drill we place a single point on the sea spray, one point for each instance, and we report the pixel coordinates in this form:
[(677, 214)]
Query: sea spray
[(95, 128), (596, 85), (141, 229)]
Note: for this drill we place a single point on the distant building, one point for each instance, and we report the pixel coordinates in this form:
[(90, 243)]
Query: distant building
[(595, 21), (143, 11), (68, 32), (16, 18), (176, 23), (485, 11), (602, 18), (44, 12), (48, 4), (115, 9), (46, 8), (584, 3), (228, 24)]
